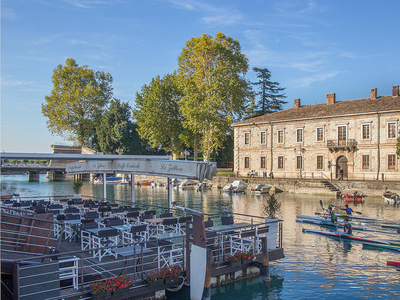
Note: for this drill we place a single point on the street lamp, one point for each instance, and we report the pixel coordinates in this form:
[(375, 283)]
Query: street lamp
[(301, 151)]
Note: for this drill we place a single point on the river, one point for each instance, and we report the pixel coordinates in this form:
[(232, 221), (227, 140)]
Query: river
[(314, 266)]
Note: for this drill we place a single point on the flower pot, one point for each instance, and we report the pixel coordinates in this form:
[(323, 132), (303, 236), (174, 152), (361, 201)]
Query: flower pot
[(246, 262), (172, 280), (158, 282), (102, 296), (121, 292), (234, 264)]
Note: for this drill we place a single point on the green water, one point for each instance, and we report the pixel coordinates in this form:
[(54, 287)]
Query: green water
[(314, 267)]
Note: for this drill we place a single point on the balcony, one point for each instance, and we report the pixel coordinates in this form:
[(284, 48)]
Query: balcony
[(335, 145)]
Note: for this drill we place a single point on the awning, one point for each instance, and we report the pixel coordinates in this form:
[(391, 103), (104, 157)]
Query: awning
[(164, 168)]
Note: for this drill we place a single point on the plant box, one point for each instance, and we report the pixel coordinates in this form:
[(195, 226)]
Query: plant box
[(234, 264), (120, 292), (246, 262), (158, 282), (102, 296)]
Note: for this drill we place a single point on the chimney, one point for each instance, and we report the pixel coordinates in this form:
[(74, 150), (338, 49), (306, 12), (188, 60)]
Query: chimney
[(330, 98), (296, 103), (395, 90), (374, 93)]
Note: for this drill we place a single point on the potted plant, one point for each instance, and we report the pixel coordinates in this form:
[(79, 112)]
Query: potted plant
[(108, 288), (214, 265), (233, 260), (165, 275), (172, 274), (247, 258)]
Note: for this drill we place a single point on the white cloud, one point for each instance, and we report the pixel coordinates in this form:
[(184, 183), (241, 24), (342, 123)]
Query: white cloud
[(307, 81), (91, 3), (8, 14)]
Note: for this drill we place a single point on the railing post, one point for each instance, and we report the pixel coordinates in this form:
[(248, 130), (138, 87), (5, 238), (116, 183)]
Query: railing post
[(266, 275)]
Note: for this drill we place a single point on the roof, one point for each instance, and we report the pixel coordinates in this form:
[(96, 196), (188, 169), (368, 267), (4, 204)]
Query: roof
[(349, 107)]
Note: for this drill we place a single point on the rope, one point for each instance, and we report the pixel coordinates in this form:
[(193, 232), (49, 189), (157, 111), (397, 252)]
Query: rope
[(178, 287)]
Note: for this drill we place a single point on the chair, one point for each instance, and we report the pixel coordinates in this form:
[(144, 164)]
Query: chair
[(72, 217), (132, 218), (91, 215), (245, 242), (166, 215), (72, 210), (150, 212), (69, 270), (86, 235), (40, 210), (137, 234), (105, 210), (182, 223), (169, 226), (106, 237), (114, 205), (113, 222), (227, 220), (145, 217), (209, 223)]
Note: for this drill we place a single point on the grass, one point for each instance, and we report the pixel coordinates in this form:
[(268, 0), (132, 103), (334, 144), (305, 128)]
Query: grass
[(225, 173)]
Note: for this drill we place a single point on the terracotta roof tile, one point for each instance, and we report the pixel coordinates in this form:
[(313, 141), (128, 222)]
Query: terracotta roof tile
[(359, 106)]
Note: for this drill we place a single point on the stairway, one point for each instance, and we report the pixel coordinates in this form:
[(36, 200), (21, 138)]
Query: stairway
[(330, 186)]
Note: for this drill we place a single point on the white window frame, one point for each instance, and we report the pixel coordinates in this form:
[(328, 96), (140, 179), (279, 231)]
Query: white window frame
[(302, 135), (261, 133), (369, 131), (283, 136), (283, 161), (347, 137), (247, 137), (395, 130), (323, 134)]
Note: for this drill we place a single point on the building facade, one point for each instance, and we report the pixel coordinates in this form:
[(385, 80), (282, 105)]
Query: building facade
[(317, 141)]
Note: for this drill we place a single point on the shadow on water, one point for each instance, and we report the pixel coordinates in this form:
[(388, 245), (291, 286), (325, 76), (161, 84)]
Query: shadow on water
[(245, 289)]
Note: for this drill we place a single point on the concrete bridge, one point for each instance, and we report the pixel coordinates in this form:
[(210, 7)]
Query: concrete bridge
[(53, 173)]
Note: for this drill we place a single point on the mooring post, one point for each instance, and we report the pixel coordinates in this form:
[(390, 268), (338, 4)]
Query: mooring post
[(207, 281), (266, 276), (132, 188)]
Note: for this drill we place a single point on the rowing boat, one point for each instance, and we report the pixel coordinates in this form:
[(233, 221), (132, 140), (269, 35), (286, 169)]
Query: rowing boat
[(388, 247), (393, 263), (327, 217), (349, 216), (345, 236), (330, 224)]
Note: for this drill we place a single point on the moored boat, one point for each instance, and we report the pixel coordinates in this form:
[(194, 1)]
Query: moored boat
[(260, 189), (390, 197), (203, 185), (381, 246), (236, 187), (352, 195), (187, 184), (393, 263)]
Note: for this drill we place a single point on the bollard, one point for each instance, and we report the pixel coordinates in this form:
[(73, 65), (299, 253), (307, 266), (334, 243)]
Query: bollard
[(265, 271), (207, 281)]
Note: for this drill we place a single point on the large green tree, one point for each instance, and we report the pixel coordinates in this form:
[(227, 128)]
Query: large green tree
[(158, 115), (115, 132), (270, 93), (216, 93), (79, 96)]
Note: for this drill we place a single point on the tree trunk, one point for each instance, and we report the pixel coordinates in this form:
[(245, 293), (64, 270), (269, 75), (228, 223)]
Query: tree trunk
[(195, 148)]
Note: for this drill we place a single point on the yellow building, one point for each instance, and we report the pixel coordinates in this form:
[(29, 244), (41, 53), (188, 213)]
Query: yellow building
[(317, 141)]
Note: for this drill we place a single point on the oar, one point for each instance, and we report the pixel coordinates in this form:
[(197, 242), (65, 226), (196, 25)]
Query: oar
[(357, 212)]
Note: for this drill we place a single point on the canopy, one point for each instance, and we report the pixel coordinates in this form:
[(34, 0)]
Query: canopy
[(165, 168)]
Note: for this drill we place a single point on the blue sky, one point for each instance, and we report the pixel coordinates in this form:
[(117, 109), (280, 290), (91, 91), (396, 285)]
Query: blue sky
[(311, 47)]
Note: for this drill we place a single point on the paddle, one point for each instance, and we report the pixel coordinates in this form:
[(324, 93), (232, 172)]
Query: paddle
[(357, 212)]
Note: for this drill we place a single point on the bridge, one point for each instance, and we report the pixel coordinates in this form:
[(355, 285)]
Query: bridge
[(7, 170)]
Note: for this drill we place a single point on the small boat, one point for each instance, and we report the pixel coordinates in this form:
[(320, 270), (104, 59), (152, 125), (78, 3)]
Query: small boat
[(6, 194), (393, 263), (236, 187), (260, 189), (144, 183), (390, 198), (187, 184), (381, 246), (99, 180), (330, 224), (327, 217), (203, 185), (345, 236), (340, 215), (352, 195)]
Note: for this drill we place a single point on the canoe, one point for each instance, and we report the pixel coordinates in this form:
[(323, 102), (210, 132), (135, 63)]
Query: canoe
[(330, 224), (393, 263), (349, 237), (321, 218), (388, 247), (349, 216)]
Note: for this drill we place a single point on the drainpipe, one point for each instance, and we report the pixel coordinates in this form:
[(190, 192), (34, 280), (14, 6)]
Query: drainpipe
[(379, 150)]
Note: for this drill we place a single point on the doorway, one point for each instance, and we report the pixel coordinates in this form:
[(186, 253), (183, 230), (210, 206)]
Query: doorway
[(341, 163)]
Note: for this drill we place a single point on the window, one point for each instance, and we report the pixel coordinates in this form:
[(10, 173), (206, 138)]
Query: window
[(299, 164), (263, 162), (365, 161), (299, 135), (320, 162), (247, 138), (280, 136), (391, 130), (263, 137), (342, 135), (280, 162), (320, 134), (366, 132), (391, 161), (247, 162)]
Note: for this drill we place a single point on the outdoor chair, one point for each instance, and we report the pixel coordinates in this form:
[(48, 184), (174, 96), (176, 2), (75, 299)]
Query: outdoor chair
[(150, 212), (166, 215), (227, 220), (137, 234), (244, 242), (169, 226), (132, 218), (106, 237), (182, 223)]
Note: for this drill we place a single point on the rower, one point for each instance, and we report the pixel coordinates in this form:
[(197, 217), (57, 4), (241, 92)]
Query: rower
[(331, 211), (347, 230), (348, 210)]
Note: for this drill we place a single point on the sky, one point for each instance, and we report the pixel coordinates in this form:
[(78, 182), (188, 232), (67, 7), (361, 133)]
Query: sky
[(311, 48)]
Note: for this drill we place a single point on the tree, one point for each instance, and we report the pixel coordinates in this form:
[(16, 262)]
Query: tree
[(75, 105), (158, 115), (115, 128), (215, 91), (273, 206), (270, 96)]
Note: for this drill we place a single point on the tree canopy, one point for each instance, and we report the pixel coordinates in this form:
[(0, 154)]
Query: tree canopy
[(77, 100), (158, 115), (215, 92), (270, 96)]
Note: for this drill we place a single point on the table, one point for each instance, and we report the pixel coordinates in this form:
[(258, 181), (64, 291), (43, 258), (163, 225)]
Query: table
[(135, 251)]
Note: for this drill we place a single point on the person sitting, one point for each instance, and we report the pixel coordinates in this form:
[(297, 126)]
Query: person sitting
[(331, 211), (349, 211), (347, 230)]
